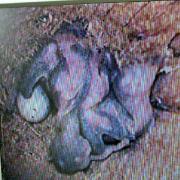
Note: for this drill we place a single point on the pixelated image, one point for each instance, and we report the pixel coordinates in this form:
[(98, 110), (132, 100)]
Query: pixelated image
[(90, 91)]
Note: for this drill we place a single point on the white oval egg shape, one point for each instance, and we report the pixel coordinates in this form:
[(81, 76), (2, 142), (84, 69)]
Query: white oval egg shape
[(35, 108)]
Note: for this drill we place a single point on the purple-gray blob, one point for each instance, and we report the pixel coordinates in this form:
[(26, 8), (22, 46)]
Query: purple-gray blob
[(100, 107)]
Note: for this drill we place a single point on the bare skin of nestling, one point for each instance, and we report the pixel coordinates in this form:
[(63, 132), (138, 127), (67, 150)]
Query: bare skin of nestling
[(132, 87), (100, 107), (165, 93)]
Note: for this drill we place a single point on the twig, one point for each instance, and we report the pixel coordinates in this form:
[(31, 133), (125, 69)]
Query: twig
[(34, 130)]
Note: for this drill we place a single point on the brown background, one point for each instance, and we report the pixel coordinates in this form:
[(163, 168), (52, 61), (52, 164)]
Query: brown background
[(25, 145)]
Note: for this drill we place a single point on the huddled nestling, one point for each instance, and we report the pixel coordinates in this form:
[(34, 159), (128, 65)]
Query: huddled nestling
[(100, 106)]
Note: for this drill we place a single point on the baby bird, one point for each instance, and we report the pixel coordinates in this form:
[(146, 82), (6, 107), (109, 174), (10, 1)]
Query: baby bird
[(94, 129), (104, 122), (63, 66), (40, 68), (105, 126), (69, 151), (132, 87), (100, 107), (165, 94), (32, 98), (71, 79)]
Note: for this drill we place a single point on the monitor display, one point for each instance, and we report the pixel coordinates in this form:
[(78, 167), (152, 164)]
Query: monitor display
[(90, 90)]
